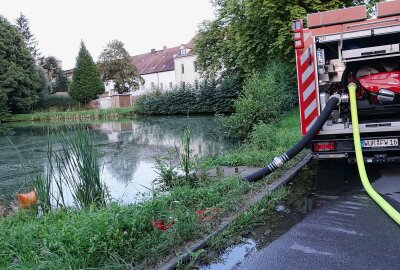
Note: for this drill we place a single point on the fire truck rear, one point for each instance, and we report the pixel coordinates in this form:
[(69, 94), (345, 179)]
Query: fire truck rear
[(341, 47)]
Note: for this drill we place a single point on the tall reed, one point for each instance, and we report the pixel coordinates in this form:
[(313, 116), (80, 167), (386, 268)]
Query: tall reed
[(43, 184), (178, 168), (79, 168), (185, 161), (73, 171)]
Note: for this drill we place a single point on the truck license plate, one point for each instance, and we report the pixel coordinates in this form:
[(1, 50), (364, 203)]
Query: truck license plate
[(380, 143)]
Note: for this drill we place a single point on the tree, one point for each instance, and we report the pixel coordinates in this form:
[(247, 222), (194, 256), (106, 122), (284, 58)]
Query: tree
[(19, 77), (51, 64), (54, 73), (116, 65), (31, 43), (86, 82), (46, 88), (248, 34), (61, 81)]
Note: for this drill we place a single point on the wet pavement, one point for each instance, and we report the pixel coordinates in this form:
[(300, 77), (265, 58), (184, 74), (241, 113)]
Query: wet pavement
[(348, 231)]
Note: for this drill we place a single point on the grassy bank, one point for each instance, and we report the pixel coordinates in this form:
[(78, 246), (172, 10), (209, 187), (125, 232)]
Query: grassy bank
[(265, 142), (73, 115), (116, 235), (128, 237)]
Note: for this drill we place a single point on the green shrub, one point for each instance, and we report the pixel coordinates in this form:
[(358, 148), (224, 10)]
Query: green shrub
[(210, 97), (265, 142), (59, 103), (266, 96), (281, 135)]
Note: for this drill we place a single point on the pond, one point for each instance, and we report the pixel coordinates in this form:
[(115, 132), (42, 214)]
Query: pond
[(126, 150)]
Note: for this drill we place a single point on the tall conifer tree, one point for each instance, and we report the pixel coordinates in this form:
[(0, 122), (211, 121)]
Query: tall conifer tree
[(86, 82), (31, 43)]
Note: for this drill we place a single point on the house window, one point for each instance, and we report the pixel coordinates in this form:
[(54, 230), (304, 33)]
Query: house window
[(170, 85), (183, 68), (161, 86), (183, 51), (153, 86)]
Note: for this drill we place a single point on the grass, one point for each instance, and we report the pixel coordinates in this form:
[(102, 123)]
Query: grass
[(254, 216), (124, 237), (69, 239), (265, 142), (73, 115)]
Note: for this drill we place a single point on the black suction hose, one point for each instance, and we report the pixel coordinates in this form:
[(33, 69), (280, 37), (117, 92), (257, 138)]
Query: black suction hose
[(292, 152)]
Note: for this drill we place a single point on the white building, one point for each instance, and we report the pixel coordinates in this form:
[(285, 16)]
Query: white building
[(166, 68), (185, 69), (156, 68), (163, 69)]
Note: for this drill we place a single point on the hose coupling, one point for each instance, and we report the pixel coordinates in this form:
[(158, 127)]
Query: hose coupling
[(278, 162), (336, 95), (344, 98)]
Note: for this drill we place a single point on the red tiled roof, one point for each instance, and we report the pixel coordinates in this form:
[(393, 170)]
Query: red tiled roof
[(158, 61), (190, 44)]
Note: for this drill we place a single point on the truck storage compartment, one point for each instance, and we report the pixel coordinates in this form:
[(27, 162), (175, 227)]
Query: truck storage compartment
[(370, 48), (374, 69), (369, 52)]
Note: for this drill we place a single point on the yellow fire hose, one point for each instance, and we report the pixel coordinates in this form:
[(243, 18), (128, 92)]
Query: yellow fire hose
[(360, 160)]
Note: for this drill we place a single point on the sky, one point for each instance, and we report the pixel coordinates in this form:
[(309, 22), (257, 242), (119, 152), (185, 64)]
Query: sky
[(59, 26)]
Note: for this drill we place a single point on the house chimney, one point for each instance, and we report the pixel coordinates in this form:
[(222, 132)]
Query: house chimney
[(164, 47), (153, 50)]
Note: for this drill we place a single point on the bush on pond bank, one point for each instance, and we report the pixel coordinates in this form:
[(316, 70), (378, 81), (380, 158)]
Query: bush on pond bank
[(57, 102), (266, 97), (209, 96), (265, 142)]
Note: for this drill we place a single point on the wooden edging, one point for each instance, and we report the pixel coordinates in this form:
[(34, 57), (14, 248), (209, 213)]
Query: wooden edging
[(284, 179)]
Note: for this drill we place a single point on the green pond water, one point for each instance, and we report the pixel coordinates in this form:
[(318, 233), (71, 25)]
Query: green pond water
[(126, 151)]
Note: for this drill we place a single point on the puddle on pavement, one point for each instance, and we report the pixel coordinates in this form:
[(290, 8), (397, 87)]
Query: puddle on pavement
[(286, 215)]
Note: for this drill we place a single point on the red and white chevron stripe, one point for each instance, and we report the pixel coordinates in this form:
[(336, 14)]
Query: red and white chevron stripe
[(306, 79)]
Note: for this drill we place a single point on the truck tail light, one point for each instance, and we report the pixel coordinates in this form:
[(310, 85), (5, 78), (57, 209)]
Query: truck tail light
[(324, 146), (297, 27)]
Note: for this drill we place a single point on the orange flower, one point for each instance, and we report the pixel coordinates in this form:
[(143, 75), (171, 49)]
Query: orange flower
[(27, 200)]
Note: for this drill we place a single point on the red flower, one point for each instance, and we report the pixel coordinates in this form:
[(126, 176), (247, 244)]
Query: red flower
[(159, 224), (208, 214)]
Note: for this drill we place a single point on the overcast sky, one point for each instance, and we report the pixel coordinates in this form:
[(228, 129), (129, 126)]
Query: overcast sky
[(140, 24)]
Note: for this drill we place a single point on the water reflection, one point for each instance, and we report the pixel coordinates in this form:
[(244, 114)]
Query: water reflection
[(126, 151)]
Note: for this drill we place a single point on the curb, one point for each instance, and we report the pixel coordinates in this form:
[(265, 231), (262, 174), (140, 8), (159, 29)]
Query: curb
[(285, 178)]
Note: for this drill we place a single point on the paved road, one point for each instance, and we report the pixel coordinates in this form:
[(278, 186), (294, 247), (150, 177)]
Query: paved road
[(350, 232)]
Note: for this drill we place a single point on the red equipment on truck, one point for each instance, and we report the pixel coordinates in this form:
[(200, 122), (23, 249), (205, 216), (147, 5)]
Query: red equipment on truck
[(341, 47)]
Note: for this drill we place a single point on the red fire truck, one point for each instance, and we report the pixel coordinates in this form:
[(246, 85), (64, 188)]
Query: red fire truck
[(343, 46)]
